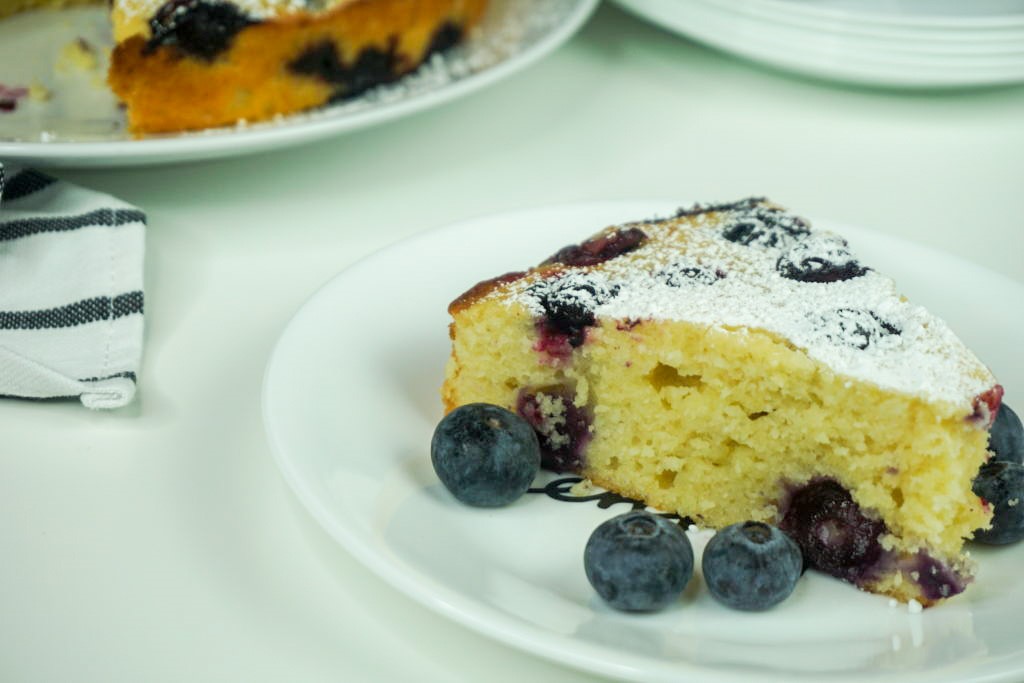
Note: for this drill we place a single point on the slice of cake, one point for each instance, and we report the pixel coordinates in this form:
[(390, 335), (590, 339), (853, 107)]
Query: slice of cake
[(193, 64), (731, 363)]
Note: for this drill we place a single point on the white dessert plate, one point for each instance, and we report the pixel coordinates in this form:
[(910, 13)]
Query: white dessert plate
[(350, 400), (797, 37), (80, 124), (825, 56)]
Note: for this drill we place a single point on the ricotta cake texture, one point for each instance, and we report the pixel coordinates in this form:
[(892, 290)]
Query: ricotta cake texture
[(731, 363)]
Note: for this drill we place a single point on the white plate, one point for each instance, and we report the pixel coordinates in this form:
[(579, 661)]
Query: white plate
[(350, 400), (825, 54), (81, 126), (828, 55)]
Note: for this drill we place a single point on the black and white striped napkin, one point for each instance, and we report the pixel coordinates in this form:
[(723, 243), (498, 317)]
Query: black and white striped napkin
[(70, 291)]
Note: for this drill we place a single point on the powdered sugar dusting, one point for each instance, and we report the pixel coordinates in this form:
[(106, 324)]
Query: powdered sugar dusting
[(508, 24), (727, 268), (256, 9)]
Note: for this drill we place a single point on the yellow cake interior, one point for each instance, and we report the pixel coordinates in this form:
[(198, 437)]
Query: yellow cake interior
[(712, 425)]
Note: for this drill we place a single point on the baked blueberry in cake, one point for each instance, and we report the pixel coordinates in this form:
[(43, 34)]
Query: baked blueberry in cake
[(732, 363)]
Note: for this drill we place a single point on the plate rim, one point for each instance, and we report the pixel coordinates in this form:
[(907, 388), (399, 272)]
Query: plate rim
[(882, 19), (484, 618), (901, 41), (769, 50)]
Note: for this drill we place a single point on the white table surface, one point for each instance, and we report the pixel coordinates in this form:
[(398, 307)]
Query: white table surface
[(159, 542)]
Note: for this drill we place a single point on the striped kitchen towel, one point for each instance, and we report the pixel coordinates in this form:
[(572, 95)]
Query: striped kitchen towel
[(70, 291)]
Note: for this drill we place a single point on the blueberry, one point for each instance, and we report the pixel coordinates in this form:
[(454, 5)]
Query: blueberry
[(638, 562), (569, 302), (751, 566), (823, 258), (833, 533), (764, 227), (201, 28), (562, 427), (371, 67), (985, 407), (1002, 485), (445, 37), (680, 275), (485, 455), (816, 269), (936, 579), (1006, 439), (855, 328), (320, 60), (601, 248), (569, 315)]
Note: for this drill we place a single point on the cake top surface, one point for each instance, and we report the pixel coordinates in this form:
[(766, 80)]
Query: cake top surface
[(752, 265)]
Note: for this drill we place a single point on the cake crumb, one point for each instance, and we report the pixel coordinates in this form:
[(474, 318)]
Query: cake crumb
[(37, 92), (914, 607), (1013, 502), (584, 487), (552, 409), (78, 55)]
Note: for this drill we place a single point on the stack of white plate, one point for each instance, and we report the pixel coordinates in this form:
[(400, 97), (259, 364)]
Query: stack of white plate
[(916, 43)]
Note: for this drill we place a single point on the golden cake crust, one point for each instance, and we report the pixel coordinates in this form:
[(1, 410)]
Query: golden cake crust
[(482, 289)]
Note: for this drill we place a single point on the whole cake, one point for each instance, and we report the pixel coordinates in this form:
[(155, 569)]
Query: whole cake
[(192, 64), (731, 363)]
